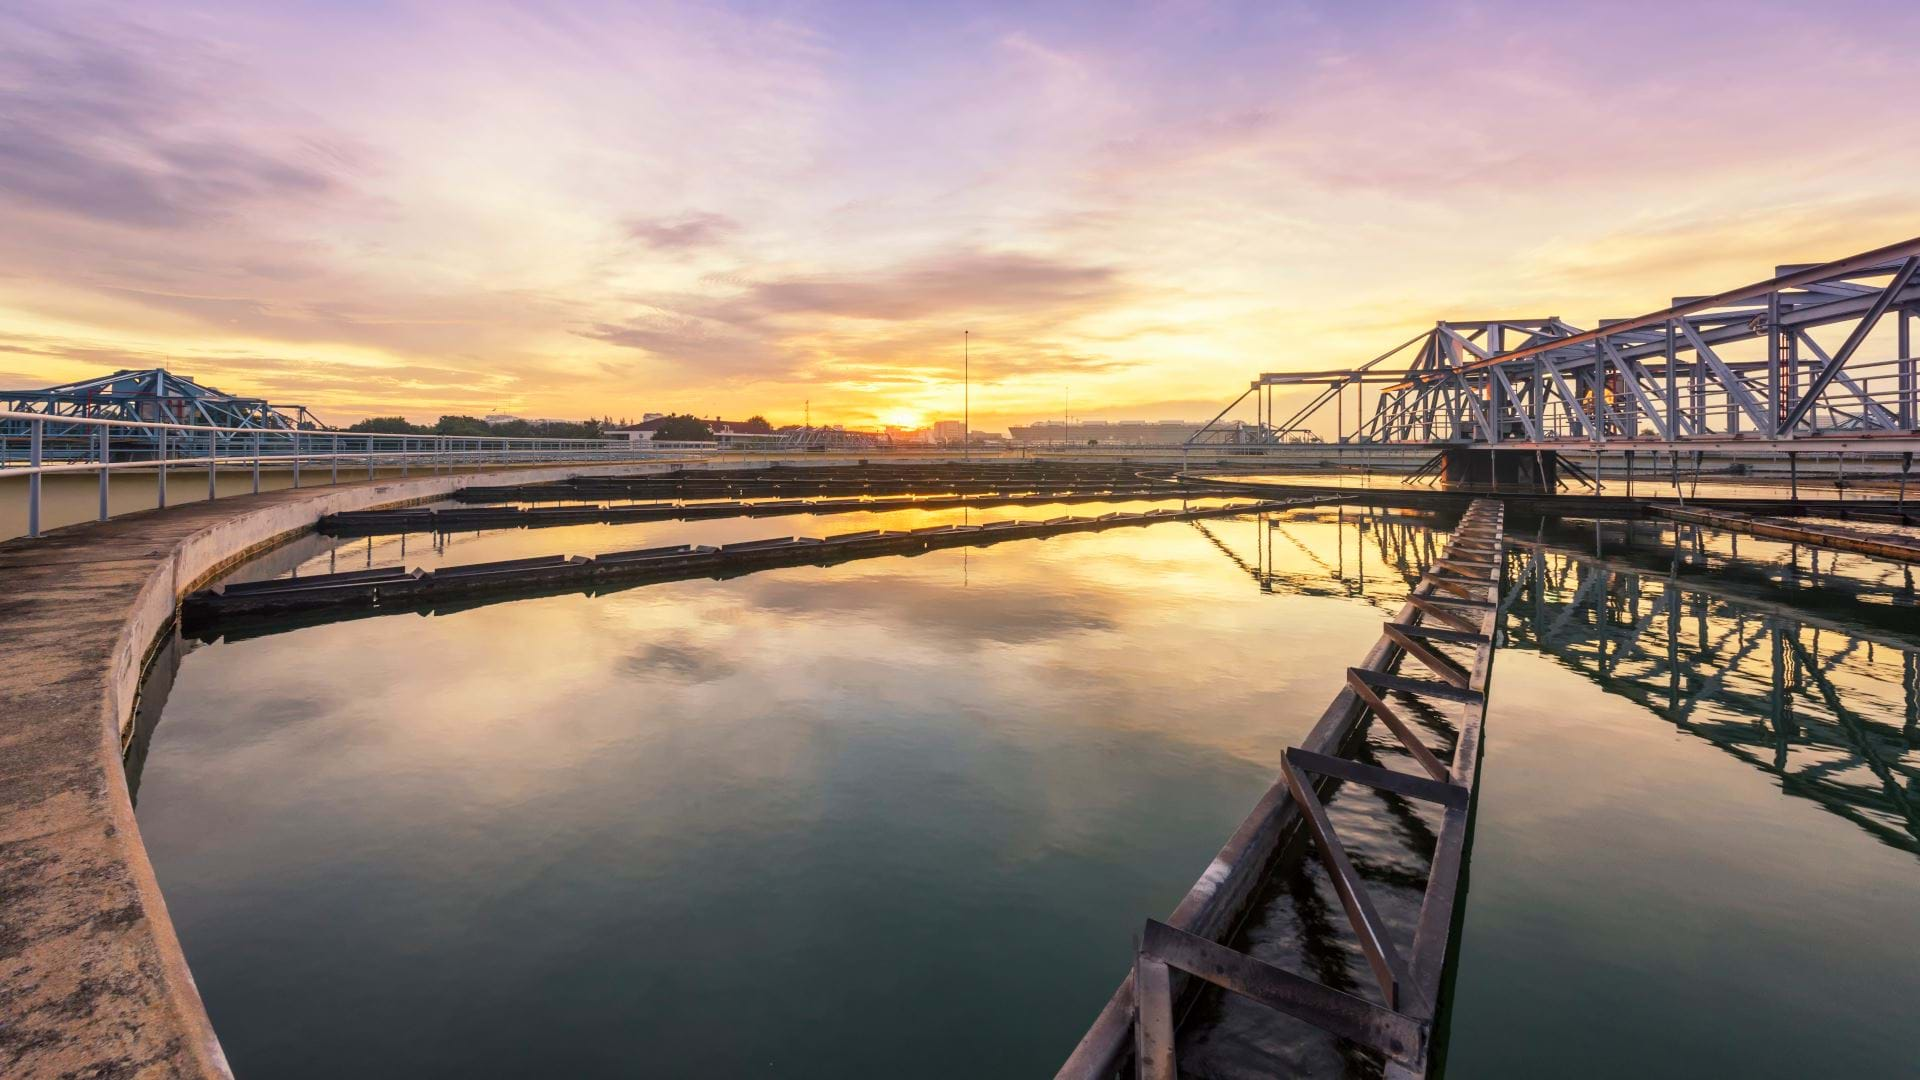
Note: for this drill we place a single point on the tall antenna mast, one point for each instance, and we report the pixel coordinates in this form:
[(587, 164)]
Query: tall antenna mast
[(966, 393)]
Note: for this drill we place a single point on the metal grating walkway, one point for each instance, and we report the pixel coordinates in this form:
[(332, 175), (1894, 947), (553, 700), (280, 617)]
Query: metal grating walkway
[(1438, 651)]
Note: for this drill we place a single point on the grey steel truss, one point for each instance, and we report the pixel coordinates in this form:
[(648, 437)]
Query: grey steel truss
[(1818, 357)]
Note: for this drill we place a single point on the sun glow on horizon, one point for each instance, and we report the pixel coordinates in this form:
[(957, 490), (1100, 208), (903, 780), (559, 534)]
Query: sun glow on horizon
[(903, 418)]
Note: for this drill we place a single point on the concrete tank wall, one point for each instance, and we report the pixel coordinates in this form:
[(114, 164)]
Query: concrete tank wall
[(92, 979)]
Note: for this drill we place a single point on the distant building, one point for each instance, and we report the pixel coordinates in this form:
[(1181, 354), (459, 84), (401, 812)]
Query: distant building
[(1115, 432), (501, 419), (948, 431)]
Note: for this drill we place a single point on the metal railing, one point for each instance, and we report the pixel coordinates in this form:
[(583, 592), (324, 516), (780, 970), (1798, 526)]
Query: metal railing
[(37, 445)]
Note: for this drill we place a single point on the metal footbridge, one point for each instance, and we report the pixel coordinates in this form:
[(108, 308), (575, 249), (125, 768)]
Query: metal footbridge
[(1818, 357), (1436, 653)]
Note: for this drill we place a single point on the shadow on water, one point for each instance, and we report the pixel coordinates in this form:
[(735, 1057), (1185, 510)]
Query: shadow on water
[(155, 684), (163, 666)]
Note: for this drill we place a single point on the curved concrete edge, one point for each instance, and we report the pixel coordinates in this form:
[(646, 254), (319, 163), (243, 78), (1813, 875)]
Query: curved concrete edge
[(92, 978)]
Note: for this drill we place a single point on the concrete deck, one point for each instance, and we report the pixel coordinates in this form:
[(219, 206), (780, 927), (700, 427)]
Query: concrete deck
[(92, 980)]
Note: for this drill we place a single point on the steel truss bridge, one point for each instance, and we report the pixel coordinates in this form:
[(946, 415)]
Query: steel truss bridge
[(1818, 357), (153, 396)]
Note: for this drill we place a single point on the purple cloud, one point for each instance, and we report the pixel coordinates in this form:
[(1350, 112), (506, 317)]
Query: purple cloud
[(687, 233), (772, 328), (102, 128)]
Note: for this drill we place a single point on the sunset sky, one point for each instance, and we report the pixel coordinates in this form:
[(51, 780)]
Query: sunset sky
[(574, 209)]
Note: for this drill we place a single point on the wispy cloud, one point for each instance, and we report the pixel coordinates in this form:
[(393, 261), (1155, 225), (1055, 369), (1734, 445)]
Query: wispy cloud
[(102, 120), (878, 326), (961, 282), (686, 233)]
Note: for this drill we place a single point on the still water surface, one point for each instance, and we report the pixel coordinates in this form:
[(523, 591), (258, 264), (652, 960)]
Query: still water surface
[(904, 816)]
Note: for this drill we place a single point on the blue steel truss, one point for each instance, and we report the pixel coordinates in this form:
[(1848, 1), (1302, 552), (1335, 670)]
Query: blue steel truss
[(154, 396)]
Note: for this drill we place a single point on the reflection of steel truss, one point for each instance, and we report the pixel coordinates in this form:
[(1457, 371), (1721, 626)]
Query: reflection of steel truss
[(1779, 364), (1775, 691), (1829, 705), (1406, 545)]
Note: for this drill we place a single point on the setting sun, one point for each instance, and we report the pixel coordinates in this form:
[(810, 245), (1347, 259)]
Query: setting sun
[(904, 418)]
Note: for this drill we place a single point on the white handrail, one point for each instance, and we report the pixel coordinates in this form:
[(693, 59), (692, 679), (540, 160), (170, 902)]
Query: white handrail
[(145, 425), (289, 447)]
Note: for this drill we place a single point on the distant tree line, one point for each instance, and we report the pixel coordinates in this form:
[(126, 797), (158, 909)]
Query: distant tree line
[(473, 425), (679, 427), (686, 427)]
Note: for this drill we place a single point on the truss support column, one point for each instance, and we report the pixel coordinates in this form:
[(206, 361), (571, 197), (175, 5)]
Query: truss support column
[(1791, 384), (106, 454), (1673, 387), (36, 435), (1535, 387), (1906, 380), (1776, 355), (1622, 376), (1496, 408), (1697, 391)]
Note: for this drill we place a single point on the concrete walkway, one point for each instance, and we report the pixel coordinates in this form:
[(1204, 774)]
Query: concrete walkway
[(92, 980)]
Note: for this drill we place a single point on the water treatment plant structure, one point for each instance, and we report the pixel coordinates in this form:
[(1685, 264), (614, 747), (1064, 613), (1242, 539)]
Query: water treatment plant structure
[(96, 981)]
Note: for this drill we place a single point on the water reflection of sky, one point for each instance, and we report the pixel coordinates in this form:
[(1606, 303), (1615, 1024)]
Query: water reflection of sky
[(820, 817), (816, 821), (320, 555)]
